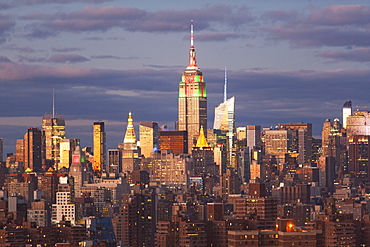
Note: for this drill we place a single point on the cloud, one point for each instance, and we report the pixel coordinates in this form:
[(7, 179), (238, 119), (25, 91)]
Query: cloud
[(338, 25), (111, 57), (358, 55), (24, 49), (93, 18), (31, 2), (216, 36), (6, 25), (66, 49), (67, 58), (4, 59)]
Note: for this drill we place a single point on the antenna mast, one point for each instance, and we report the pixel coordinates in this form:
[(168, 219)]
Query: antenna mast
[(225, 86), (53, 105), (192, 33)]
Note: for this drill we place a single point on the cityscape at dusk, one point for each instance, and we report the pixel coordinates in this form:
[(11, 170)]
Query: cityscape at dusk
[(168, 123), (286, 62)]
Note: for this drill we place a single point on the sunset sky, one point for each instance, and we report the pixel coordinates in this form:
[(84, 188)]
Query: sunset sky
[(287, 61)]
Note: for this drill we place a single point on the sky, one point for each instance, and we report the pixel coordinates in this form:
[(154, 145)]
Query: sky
[(286, 61)]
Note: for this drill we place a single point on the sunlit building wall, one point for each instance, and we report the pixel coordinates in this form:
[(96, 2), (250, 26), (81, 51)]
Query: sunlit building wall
[(359, 123), (99, 140), (32, 149), (346, 111), (149, 137), (54, 130), (192, 100)]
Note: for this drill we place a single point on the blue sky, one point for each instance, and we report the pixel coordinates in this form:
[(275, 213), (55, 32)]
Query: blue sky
[(287, 61)]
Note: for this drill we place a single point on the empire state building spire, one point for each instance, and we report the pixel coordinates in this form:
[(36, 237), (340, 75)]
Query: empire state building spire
[(192, 107), (192, 59)]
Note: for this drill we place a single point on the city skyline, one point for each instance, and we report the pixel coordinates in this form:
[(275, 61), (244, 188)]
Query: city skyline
[(286, 62)]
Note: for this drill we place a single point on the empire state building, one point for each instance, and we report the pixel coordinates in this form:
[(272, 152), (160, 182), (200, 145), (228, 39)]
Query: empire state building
[(192, 106)]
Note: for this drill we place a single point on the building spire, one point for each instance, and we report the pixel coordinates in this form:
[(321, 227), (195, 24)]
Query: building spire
[(225, 86), (192, 59), (130, 131), (202, 141), (53, 110)]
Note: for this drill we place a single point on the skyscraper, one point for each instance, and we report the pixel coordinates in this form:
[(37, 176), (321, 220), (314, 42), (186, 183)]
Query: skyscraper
[(130, 152), (192, 101), (99, 146), (149, 137), (54, 129), (346, 111), (32, 149), (1, 150)]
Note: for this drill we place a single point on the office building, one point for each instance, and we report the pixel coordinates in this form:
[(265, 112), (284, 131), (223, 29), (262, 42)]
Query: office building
[(67, 146), (64, 209), (1, 150), (253, 136), (54, 129), (278, 142), (192, 100), (99, 140), (114, 161), (32, 150), (149, 137), (203, 162), (346, 111), (358, 158), (301, 140), (129, 149), (76, 171), (176, 141), (358, 123)]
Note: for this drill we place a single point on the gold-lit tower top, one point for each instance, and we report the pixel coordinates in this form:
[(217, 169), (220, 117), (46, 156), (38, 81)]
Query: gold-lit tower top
[(130, 131), (202, 141)]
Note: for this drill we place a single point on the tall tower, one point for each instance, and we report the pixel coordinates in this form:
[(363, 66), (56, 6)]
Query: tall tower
[(192, 101), (54, 129), (32, 149), (149, 137), (99, 146), (346, 111), (130, 152)]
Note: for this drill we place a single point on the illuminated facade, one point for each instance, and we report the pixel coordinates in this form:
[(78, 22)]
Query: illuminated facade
[(203, 161), (130, 152), (99, 139), (346, 111), (192, 101), (32, 149), (177, 141), (54, 129), (149, 137), (76, 171), (359, 123)]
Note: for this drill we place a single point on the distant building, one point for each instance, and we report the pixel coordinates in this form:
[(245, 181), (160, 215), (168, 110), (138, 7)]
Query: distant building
[(358, 123), (114, 161), (192, 100), (176, 141), (99, 142), (54, 129), (149, 137), (32, 149), (346, 111), (129, 149)]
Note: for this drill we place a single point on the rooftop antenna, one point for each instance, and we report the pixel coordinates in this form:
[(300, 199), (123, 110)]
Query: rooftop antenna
[(53, 105), (192, 33), (225, 86)]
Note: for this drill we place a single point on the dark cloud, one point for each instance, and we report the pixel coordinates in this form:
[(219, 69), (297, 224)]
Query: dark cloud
[(6, 6), (216, 36), (23, 59), (4, 59), (31, 2), (67, 58), (110, 57), (24, 49), (358, 55), (104, 18), (344, 25), (66, 49), (6, 24), (263, 97)]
